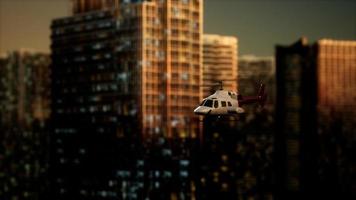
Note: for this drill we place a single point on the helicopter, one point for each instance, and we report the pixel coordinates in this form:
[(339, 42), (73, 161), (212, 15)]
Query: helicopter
[(224, 102)]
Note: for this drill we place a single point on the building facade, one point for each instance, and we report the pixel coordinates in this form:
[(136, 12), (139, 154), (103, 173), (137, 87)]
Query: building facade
[(123, 76), (166, 37), (235, 160), (336, 62), (314, 118), (296, 120), (336, 71), (24, 116), (220, 62), (25, 97)]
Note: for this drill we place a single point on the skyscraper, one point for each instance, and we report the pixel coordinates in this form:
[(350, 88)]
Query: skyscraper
[(121, 74), (166, 57), (220, 62), (314, 118), (165, 37), (296, 124), (336, 71), (336, 61)]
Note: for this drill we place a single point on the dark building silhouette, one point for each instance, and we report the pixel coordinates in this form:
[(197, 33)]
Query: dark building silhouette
[(24, 113), (235, 159), (94, 106), (312, 144), (296, 123)]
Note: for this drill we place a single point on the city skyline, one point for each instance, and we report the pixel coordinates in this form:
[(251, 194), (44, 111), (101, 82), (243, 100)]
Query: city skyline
[(282, 22), (109, 111)]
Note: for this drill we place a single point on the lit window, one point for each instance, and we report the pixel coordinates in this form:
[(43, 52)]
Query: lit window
[(183, 173), (140, 162), (185, 76), (175, 11), (167, 174), (97, 46), (184, 162), (140, 174)]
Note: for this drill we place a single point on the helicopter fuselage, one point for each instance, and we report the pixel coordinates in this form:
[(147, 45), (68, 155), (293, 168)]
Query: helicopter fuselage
[(222, 102)]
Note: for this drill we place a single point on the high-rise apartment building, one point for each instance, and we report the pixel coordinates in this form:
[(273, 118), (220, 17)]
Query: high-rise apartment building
[(336, 71), (336, 62), (159, 45), (220, 62), (254, 70), (122, 72)]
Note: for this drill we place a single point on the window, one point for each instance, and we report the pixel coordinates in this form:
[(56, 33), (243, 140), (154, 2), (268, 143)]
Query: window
[(216, 104), (223, 103), (208, 103), (229, 103)]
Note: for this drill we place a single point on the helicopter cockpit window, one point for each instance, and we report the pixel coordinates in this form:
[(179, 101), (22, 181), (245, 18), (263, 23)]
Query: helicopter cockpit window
[(202, 103), (223, 103), (216, 104), (208, 103), (229, 104)]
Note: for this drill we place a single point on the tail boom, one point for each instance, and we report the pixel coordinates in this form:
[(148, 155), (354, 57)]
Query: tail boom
[(260, 98)]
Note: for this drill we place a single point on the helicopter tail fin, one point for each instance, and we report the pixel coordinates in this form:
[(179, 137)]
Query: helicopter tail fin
[(262, 95), (260, 98)]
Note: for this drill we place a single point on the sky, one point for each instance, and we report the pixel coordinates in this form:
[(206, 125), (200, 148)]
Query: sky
[(258, 24)]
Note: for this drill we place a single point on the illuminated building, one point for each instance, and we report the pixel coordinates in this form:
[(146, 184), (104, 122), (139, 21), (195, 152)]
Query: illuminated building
[(220, 62), (168, 56), (336, 62), (121, 77), (252, 71), (336, 71)]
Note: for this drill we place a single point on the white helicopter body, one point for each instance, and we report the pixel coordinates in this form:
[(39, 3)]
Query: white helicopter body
[(224, 102)]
